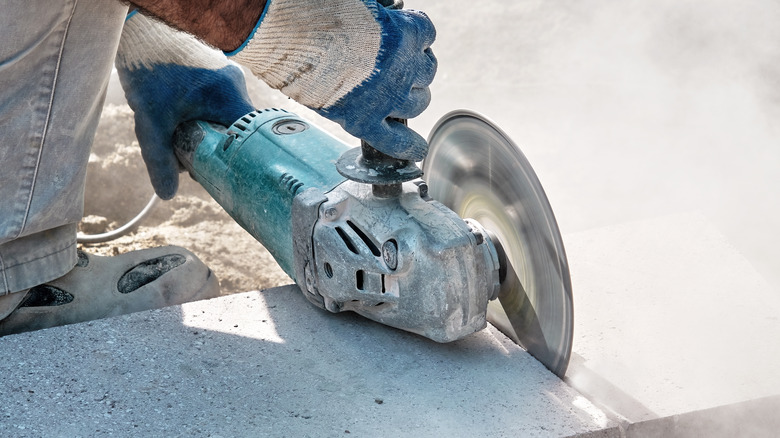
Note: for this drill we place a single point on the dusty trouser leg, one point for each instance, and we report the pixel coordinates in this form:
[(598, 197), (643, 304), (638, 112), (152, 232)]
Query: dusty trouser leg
[(55, 61)]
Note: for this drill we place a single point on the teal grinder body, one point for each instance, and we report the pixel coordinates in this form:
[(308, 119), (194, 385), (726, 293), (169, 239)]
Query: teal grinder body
[(257, 166)]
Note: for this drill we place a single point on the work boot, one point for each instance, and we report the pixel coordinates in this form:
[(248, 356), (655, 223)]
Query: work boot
[(99, 287)]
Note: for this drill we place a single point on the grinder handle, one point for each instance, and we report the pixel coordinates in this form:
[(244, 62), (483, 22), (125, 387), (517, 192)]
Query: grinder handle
[(371, 166), (376, 158), (370, 154)]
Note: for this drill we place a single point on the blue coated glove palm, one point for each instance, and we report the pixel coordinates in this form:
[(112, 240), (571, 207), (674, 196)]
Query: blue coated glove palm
[(169, 77), (352, 61)]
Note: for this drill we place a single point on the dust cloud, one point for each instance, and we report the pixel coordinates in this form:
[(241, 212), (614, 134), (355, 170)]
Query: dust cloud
[(631, 109)]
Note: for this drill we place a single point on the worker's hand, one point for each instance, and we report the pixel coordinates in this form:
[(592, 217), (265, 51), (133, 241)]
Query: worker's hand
[(169, 77), (353, 61)]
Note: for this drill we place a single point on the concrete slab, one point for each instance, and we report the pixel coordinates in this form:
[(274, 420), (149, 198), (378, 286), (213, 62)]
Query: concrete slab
[(754, 418), (670, 318), (270, 364)]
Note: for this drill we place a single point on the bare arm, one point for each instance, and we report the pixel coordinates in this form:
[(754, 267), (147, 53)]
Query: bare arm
[(223, 24)]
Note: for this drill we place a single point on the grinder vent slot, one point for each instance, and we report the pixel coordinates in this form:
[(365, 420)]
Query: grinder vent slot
[(359, 280), (370, 244), (347, 240), (291, 183)]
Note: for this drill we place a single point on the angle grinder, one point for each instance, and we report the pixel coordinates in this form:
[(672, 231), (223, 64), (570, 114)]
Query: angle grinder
[(475, 241)]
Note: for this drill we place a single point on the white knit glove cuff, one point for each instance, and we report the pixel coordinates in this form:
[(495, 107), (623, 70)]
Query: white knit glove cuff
[(147, 42), (314, 51)]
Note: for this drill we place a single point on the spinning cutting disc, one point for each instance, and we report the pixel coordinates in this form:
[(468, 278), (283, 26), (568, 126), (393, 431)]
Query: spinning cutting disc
[(477, 171)]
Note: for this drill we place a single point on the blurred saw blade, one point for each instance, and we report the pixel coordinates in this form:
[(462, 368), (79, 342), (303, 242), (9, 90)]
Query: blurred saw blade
[(477, 171)]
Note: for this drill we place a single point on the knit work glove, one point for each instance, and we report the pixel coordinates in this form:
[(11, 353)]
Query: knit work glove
[(169, 77), (352, 61)]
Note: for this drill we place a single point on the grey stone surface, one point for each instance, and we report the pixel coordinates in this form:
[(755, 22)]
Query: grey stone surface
[(270, 364), (755, 418)]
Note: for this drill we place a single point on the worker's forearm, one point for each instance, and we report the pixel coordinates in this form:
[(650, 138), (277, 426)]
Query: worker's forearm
[(223, 24)]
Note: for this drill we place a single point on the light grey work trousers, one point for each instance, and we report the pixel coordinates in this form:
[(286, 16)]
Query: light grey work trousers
[(55, 61)]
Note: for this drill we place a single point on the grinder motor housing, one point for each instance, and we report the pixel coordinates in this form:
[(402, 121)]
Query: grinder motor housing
[(402, 259)]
